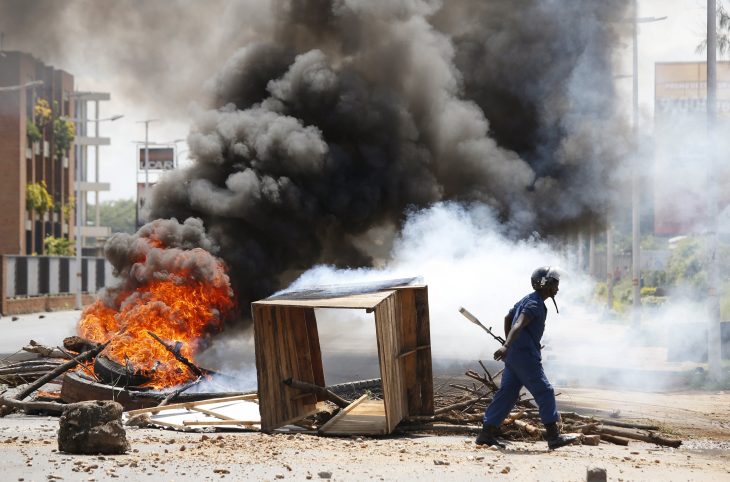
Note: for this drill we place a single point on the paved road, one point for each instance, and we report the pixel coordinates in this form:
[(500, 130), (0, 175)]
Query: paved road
[(47, 328)]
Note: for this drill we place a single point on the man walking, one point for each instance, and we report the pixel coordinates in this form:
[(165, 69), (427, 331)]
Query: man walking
[(523, 328)]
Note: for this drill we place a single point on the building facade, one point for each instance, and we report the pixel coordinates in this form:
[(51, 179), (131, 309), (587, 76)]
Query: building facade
[(690, 166), (36, 101)]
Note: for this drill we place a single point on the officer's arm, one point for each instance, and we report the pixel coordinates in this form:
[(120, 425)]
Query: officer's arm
[(508, 323), (522, 321)]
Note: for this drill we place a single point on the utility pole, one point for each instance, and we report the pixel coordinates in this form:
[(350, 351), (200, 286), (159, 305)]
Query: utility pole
[(635, 221), (96, 166), (146, 157), (635, 171), (592, 250), (713, 330), (609, 265)]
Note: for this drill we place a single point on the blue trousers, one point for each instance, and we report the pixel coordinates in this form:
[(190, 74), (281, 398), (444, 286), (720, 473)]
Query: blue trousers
[(522, 371)]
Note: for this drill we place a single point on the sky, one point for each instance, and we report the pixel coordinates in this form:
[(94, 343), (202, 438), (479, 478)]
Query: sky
[(673, 39)]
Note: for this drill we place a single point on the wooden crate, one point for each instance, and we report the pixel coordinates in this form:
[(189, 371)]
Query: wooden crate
[(287, 346)]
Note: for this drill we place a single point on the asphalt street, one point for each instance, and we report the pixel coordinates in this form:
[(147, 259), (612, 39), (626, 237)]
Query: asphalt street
[(48, 328)]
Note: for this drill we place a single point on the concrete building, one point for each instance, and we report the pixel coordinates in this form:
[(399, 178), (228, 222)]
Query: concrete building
[(29, 152), (93, 234), (685, 173)]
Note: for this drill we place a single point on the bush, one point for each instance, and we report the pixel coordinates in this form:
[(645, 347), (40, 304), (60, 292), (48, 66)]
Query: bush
[(37, 198), (58, 246), (33, 133)]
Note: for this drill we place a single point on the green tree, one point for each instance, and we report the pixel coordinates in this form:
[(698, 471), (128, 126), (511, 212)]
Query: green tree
[(685, 267), (723, 32), (33, 132), (64, 134), (38, 201), (119, 215), (42, 112)]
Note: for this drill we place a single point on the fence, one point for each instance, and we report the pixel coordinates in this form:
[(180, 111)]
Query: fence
[(40, 283)]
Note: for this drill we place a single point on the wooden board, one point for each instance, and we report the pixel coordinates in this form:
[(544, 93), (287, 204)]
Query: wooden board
[(282, 351), (424, 367), (409, 354), (362, 417), (364, 300), (387, 317)]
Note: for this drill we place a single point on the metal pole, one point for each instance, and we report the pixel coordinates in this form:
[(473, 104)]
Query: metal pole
[(635, 221), (146, 161), (581, 252), (96, 171), (78, 303), (592, 251), (609, 265), (713, 278)]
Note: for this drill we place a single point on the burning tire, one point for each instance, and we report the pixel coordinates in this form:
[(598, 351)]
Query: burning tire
[(116, 374)]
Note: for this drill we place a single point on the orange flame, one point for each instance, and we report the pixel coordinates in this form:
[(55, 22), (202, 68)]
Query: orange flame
[(177, 308)]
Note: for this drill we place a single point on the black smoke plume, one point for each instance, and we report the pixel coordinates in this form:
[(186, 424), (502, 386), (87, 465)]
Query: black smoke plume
[(346, 114)]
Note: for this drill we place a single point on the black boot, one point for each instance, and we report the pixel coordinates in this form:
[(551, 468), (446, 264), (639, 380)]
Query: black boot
[(554, 439), (488, 436)]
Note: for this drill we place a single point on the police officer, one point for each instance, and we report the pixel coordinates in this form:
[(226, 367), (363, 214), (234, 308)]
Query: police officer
[(523, 327)]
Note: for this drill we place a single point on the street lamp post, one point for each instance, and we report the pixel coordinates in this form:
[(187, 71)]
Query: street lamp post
[(11, 88), (635, 187), (714, 335), (146, 155)]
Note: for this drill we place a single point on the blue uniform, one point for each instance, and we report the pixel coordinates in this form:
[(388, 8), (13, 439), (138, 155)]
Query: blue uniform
[(523, 367)]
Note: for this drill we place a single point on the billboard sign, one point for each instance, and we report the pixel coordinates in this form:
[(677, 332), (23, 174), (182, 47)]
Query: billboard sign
[(160, 159)]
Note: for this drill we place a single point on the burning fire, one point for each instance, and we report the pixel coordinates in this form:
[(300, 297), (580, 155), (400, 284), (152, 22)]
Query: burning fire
[(176, 303)]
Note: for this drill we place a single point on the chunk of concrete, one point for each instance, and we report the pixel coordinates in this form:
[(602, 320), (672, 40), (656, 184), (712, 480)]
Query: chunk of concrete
[(596, 474), (591, 439), (93, 427)]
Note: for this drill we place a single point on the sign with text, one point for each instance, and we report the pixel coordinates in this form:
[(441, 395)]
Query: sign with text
[(160, 158)]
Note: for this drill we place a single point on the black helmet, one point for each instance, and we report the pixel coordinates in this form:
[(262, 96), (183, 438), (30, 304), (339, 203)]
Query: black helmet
[(542, 275)]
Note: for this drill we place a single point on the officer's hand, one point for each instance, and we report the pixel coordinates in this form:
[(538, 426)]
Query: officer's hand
[(500, 353)]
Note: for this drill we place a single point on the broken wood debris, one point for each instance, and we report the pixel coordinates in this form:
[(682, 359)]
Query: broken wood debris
[(23, 372), (31, 387), (175, 351), (320, 392), (460, 408), (43, 350)]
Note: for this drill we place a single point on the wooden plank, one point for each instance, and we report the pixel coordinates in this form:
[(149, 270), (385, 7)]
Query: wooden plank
[(413, 352), (315, 352), (281, 353), (298, 417), (301, 339), (293, 347), (173, 406), (409, 341), (167, 424), (263, 360), (304, 357), (343, 412), (280, 369), (387, 315), (288, 353), (220, 422), (363, 300), (424, 369), (273, 405), (212, 413), (367, 418)]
